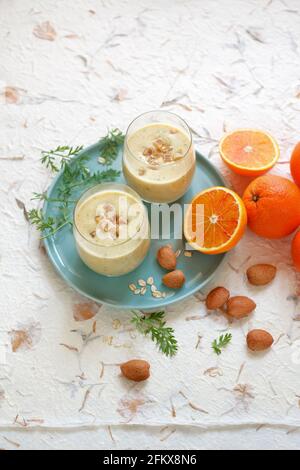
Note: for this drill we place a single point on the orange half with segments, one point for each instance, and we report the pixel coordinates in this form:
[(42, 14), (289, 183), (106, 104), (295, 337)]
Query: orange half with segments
[(249, 152), (215, 220)]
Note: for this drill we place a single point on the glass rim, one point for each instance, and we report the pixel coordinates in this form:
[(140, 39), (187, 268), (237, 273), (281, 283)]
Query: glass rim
[(103, 186), (166, 112)]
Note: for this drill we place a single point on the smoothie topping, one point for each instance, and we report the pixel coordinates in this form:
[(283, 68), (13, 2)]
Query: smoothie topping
[(105, 211), (161, 151), (108, 222)]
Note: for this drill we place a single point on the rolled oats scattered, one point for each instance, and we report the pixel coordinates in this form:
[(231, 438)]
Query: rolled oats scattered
[(132, 287), (157, 294), (150, 281), (143, 290), (137, 292), (153, 288), (141, 282)]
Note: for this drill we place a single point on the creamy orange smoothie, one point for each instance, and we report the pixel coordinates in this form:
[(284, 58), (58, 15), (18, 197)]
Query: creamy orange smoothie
[(159, 160), (111, 229)]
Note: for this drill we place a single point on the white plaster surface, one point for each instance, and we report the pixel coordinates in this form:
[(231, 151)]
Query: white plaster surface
[(68, 70)]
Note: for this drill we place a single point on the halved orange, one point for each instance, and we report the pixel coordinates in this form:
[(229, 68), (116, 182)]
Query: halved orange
[(249, 152), (215, 220)]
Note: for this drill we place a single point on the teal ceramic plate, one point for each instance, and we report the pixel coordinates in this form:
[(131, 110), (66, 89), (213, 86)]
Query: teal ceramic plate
[(199, 269)]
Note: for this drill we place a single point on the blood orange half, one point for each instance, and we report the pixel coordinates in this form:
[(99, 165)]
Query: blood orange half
[(249, 152), (215, 220)]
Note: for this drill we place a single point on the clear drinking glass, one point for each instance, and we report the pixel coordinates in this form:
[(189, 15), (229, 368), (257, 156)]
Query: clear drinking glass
[(107, 249), (166, 178)]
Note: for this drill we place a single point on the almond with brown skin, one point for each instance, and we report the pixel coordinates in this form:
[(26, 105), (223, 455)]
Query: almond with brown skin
[(217, 298), (136, 370), (261, 274), (174, 279), (239, 307), (259, 340), (166, 257)]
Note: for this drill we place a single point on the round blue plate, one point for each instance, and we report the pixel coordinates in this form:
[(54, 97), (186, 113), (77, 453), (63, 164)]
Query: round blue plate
[(199, 268)]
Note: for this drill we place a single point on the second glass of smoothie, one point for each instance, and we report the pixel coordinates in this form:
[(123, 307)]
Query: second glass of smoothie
[(159, 157), (111, 229)]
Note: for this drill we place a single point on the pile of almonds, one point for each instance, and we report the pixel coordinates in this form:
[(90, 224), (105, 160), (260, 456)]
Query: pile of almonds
[(166, 258), (239, 307), (236, 307)]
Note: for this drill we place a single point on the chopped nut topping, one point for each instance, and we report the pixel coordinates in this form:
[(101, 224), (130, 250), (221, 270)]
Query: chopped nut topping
[(120, 220), (153, 162), (168, 158), (108, 221), (147, 152), (160, 152)]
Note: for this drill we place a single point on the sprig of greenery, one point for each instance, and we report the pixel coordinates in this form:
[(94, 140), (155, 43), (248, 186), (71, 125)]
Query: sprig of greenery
[(221, 343), (75, 175), (110, 145), (42, 223), (154, 325), (63, 152)]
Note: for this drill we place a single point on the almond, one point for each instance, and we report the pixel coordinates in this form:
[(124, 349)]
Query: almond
[(217, 298), (136, 369), (166, 257), (240, 307), (174, 279), (259, 340), (261, 274)]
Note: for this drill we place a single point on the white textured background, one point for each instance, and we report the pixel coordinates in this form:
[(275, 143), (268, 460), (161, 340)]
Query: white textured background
[(219, 64)]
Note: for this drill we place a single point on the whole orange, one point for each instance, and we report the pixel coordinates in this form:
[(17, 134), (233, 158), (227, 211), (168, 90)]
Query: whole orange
[(295, 164), (296, 251), (273, 206)]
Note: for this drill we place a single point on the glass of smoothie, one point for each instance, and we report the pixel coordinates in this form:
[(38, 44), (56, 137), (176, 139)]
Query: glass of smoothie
[(111, 229), (159, 157)]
